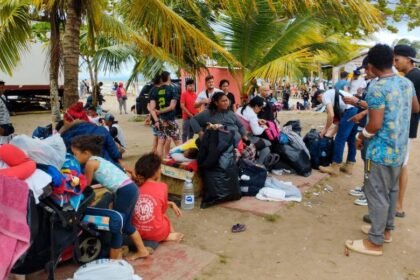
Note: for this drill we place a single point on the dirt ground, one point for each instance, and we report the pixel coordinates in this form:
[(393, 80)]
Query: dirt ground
[(304, 240)]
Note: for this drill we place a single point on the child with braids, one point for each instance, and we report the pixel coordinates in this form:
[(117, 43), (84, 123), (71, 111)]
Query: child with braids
[(86, 149)]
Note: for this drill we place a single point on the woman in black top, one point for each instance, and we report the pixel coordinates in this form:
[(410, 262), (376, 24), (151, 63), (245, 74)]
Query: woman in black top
[(224, 86)]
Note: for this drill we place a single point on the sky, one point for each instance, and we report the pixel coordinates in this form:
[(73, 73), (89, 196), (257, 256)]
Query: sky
[(385, 36)]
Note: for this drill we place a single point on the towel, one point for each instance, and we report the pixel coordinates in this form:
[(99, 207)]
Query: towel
[(14, 229), (276, 190)]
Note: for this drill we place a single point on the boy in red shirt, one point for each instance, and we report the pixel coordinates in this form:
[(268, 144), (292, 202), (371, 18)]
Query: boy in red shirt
[(188, 98), (149, 217)]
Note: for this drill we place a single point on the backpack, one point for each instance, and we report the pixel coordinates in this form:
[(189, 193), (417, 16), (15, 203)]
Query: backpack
[(272, 132), (321, 149)]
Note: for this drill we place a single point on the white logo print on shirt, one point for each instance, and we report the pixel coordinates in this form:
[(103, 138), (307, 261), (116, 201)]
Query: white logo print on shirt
[(145, 207)]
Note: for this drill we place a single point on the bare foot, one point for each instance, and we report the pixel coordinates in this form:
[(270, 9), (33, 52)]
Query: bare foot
[(175, 236), (139, 255), (369, 245)]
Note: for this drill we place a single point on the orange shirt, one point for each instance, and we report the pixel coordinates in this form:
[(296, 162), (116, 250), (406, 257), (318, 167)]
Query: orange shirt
[(188, 98), (149, 217)]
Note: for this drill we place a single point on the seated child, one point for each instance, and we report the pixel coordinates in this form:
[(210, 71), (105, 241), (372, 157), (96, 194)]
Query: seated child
[(150, 212), (186, 152), (86, 149)]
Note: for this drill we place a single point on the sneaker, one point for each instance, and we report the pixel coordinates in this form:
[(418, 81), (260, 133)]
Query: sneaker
[(362, 201), (357, 192)]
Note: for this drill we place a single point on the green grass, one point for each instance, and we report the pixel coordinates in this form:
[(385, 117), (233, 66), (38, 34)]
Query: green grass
[(272, 218), (223, 259)]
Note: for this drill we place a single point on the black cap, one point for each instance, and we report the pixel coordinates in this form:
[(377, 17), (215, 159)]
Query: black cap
[(407, 51), (364, 63)]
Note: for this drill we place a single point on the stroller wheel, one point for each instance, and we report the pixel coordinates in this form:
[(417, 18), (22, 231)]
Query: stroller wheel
[(90, 247)]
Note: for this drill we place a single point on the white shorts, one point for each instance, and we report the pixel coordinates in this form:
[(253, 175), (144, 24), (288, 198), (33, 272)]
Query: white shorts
[(407, 155)]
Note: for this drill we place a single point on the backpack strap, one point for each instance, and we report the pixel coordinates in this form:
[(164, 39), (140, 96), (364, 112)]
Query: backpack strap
[(337, 111)]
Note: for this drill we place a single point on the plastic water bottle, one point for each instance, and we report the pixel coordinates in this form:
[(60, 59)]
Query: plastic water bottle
[(188, 198)]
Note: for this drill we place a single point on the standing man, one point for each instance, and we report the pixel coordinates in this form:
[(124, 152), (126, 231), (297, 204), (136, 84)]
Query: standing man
[(339, 114), (389, 101), (224, 86), (357, 83), (6, 128), (157, 82), (343, 84), (188, 98), (405, 56), (163, 102), (204, 97), (267, 113)]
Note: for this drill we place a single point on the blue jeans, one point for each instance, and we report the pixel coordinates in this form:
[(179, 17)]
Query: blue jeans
[(346, 133), (125, 201)]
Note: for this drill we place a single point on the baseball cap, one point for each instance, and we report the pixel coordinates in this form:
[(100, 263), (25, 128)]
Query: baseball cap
[(364, 63), (407, 51), (109, 118)]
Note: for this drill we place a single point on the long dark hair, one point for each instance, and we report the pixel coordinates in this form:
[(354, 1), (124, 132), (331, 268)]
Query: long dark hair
[(215, 98), (256, 101)]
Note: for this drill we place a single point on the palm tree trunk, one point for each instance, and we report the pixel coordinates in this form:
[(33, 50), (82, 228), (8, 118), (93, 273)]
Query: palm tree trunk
[(71, 52), (54, 64)]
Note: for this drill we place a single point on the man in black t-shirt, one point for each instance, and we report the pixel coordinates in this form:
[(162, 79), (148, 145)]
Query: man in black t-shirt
[(163, 103), (267, 113), (405, 56)]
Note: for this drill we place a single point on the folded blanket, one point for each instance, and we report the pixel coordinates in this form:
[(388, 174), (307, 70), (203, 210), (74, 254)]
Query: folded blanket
[(276, 190), (14, 230)]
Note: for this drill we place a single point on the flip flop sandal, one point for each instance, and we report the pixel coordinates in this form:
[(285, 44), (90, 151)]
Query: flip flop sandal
[(366, 228), (359, 247), (238, 228), (400, 214)]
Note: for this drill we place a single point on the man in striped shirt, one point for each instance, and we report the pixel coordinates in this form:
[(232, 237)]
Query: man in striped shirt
[(6, 127)]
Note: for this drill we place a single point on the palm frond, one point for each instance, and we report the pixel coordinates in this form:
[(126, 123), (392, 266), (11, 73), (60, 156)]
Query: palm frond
[(290, 65), (296, 34), (15, 31), (166, 29)]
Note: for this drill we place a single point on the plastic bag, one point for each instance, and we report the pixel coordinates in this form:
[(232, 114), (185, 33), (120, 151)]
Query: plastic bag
[(252, 177), (106, 269), (296, 158), (220, 185), (50, 151)]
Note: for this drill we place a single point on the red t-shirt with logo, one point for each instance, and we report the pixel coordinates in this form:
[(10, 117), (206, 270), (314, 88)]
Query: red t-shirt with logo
[(188, 98), (149, 217)]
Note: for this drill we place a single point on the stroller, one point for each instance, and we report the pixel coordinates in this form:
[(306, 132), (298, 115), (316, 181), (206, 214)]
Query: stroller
[(55, 235)]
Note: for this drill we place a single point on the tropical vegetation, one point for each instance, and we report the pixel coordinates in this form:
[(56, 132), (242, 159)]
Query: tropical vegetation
[(264, 38)]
